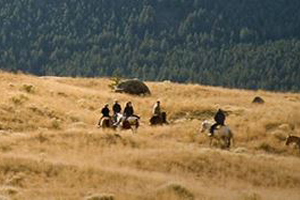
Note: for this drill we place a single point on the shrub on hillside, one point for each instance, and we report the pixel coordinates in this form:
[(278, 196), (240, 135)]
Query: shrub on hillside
[(100, 197), (174, 191), (29, 88)]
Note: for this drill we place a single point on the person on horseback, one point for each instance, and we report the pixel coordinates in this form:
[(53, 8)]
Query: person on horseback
[(116, 109), (128, 111), (158, 116), (220, 119), (105, 113), (156, 109)]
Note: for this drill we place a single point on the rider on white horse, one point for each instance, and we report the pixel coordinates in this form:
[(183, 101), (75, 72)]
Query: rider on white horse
[(220, 119), (116, 109)]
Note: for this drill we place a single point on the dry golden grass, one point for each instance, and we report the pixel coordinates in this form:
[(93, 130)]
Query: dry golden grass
[(50, 147)]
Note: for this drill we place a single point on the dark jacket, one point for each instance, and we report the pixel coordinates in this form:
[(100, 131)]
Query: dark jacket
[(117, 108), (220, 117), (128, 111), (105, 112)]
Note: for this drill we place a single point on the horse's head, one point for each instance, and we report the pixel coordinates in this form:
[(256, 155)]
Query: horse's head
[(288, 140), (205, 125)]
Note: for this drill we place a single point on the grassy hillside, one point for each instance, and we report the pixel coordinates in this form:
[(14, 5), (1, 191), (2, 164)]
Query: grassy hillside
[(50, 147)]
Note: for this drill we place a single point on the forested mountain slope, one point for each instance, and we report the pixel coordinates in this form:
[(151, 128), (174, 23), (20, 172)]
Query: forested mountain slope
[(235, 43)]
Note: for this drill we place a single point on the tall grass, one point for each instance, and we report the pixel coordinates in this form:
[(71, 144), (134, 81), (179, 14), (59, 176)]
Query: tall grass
[(50, 147)]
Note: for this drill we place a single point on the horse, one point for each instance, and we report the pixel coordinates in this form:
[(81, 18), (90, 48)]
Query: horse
[(131, 122), (105, 122), (222, 133), (293, 139), (158, 120)]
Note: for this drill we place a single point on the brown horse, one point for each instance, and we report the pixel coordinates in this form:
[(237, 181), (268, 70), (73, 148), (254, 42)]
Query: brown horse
[(293, 139), (159, 120), (105, 123)]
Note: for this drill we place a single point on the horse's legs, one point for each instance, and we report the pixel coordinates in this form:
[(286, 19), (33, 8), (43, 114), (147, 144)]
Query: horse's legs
[(134, 130), (232, 140), (210, 141), (228, 142), (137, 124), (298, 144)]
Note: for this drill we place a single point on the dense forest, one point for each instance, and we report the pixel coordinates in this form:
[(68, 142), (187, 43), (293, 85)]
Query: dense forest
[(253, 44)]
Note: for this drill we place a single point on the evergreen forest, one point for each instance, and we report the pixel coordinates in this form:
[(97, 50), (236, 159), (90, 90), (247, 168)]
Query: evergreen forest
[(251, 44)]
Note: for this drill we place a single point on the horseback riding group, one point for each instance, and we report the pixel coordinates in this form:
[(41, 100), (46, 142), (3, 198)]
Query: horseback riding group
[(128, 119)]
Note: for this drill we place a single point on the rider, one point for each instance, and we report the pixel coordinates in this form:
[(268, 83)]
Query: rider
[(157, 112), (156, 109), (105, 112), (116, 109), (128, 111), (220, 119)]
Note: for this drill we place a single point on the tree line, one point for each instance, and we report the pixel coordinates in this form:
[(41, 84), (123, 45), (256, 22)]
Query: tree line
[(249, 44)]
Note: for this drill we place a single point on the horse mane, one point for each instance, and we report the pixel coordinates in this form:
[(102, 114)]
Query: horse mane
[(206, 122)]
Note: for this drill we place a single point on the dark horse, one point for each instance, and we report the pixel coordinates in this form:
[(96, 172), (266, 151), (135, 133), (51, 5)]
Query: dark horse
[(159, 120), (293, 139)]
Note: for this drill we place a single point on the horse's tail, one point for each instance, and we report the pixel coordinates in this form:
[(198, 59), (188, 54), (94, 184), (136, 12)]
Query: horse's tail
[(137, 123), (232, 137)]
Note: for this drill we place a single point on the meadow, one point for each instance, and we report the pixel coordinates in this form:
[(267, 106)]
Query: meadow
[(51, 148)]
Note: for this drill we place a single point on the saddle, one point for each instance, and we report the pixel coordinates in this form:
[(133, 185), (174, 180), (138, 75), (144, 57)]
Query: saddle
[(132, 119), (213, 129)]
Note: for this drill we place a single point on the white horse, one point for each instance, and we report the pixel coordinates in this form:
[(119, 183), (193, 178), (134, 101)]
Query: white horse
[(222, 133), (131, 122)]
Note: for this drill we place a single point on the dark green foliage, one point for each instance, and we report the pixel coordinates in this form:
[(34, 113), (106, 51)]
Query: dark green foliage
[(115, 81), (235, 43)]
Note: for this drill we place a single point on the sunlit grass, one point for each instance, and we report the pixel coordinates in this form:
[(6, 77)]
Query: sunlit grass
[(50, 147)]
